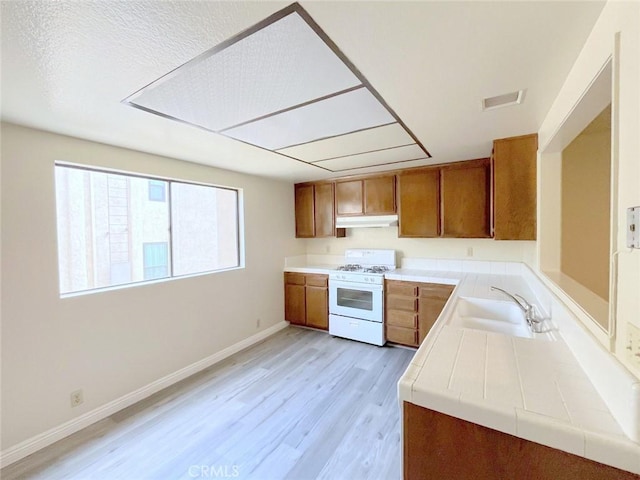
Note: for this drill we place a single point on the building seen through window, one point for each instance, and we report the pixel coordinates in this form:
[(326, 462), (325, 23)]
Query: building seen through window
[(115, 229)]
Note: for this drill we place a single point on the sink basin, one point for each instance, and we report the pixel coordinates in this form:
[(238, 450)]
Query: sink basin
[(491, 316)]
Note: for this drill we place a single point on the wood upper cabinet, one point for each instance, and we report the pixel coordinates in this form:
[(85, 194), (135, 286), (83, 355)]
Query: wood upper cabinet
[(349, 198), (324, 215), (465, 199), (380, 195), (418, 203), (514, 174), (305, 221), (306, 299), (314, 210), (369, 196), (470, 199)]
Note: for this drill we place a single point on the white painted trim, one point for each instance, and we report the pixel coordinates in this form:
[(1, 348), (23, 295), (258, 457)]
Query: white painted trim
[(37, 442)]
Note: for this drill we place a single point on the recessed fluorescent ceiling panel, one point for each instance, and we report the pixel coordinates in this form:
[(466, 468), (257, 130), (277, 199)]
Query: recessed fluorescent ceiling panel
[(284, 86)]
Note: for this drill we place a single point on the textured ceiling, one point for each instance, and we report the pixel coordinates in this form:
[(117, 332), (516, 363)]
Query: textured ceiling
[(66, 65)]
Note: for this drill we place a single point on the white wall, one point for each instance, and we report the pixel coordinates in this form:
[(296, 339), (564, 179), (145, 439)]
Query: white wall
[(114, 342), (458, 248), (622, 18)]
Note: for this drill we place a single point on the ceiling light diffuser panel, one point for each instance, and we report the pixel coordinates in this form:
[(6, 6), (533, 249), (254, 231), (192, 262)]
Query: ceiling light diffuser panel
[(284, 86)]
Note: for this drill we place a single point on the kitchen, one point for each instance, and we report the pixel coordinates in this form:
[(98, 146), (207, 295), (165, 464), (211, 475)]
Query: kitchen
[(118, 357)]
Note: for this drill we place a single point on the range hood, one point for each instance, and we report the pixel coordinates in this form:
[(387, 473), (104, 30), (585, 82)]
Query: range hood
[(367, 221)]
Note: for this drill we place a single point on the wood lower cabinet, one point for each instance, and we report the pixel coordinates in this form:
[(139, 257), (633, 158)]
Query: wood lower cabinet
[(419, 203), (369, 196), (514, 177), (438, 446), (314, 209), (433, 298), (411, 308), (465, 199), (306, 299)]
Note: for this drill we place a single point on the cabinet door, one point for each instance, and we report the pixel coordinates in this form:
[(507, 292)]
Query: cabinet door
[(380, 195), (305, 224), (317, 303), (323, 199), (418, 203), (432, 300), (349, 198), (514, 174), (294, 304), (465, 200)]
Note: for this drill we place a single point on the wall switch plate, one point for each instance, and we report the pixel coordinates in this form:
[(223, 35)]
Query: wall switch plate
[(633, 227)]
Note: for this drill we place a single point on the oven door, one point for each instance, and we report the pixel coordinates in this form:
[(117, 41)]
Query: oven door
[(356, 300)]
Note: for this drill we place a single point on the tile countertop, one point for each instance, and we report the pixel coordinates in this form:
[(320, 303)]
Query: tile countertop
[(534, 389), (322, 269)]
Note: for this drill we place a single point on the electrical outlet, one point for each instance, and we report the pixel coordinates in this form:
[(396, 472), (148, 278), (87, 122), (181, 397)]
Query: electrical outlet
[(633, 345), (258, 323), (77, 398), (469, 251)]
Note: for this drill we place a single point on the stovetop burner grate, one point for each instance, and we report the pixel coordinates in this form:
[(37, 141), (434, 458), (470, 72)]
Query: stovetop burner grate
[(376, 269), (351, 267)]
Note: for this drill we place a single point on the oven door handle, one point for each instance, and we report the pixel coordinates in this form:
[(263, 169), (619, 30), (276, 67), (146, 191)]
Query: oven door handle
[(355, 285)]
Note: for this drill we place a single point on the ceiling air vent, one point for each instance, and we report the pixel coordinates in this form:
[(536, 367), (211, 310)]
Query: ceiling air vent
[(513, 98)]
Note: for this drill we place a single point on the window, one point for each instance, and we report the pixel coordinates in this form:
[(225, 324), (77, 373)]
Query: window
[(116, 229), (157, 191)]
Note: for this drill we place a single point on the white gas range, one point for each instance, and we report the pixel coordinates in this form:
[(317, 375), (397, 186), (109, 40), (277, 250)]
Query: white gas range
[(356, 295)]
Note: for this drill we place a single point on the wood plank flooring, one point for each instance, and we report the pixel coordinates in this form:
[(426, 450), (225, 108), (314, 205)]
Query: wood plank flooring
[(300, 405)]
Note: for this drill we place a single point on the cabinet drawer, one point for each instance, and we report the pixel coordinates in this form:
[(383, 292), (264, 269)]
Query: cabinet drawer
[(432, 290), (405, 336), (317, 280), (397, 302), (400, 318), (401, 288), (294, 278)]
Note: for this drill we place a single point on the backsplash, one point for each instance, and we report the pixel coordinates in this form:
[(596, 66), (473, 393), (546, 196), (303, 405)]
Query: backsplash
[(443, 248)]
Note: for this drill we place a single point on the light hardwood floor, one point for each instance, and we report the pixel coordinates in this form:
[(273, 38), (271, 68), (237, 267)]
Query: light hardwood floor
[(300, 405)]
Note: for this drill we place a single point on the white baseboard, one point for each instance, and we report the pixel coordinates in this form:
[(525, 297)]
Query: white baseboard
[(37, 442)]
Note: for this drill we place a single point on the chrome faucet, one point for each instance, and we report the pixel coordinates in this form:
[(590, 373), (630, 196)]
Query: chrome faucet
[(525, 306)]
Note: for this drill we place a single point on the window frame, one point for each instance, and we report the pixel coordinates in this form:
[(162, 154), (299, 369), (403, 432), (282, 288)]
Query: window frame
[(240, 244)]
